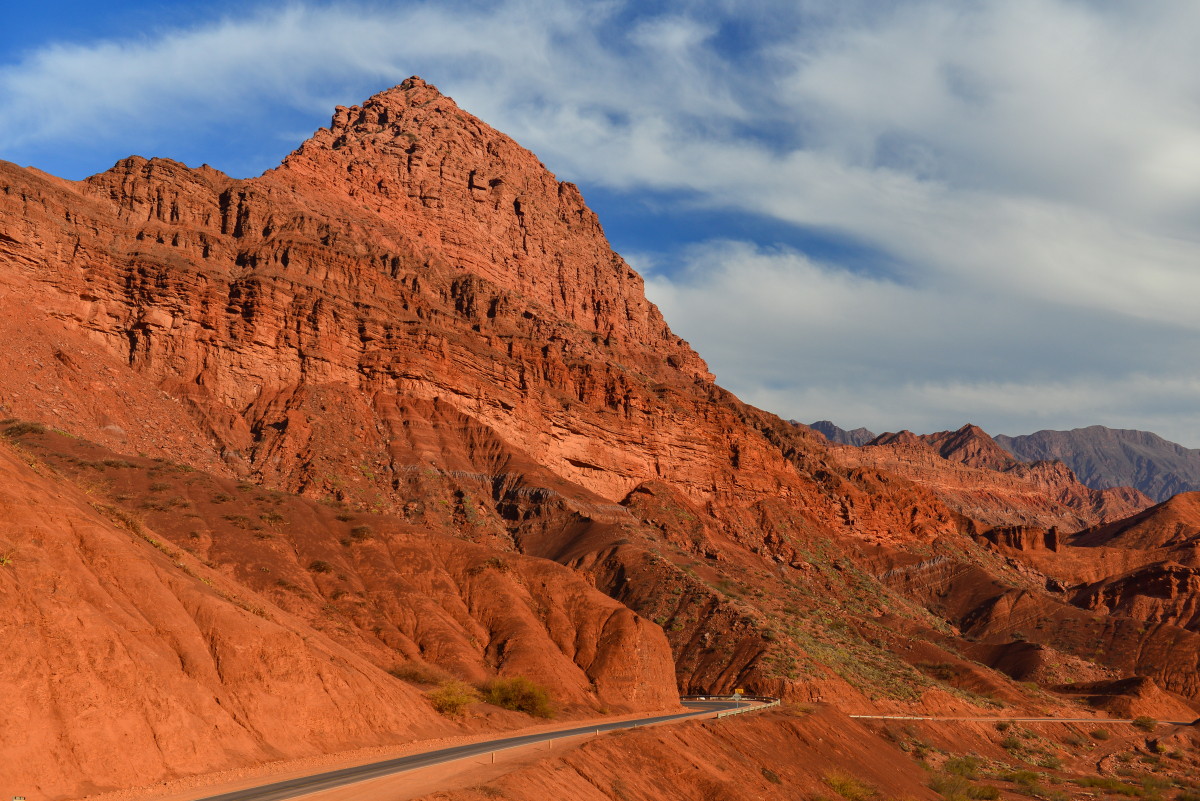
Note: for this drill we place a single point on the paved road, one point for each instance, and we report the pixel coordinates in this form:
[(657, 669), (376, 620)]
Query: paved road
[(1019, 720), (337, 778)]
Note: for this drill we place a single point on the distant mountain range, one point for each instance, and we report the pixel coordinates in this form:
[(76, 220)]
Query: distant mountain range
[(858, 437), (1114, 457), (1101, 458)]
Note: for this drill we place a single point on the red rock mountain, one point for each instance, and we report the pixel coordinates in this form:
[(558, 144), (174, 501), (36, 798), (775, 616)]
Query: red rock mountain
[(397, 405), (974, 476)]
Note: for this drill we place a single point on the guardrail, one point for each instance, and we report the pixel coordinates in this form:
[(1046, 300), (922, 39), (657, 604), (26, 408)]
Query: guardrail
[(761, 702)]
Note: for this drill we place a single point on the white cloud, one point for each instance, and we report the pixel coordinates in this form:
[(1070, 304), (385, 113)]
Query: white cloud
[(809, 341), (1030, 170)]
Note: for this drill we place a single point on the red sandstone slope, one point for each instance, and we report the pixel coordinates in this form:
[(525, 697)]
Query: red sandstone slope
[(125, 664), (263, 628)]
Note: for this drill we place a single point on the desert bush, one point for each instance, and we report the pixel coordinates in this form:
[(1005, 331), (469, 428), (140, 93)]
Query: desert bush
[(1074, 739), (962, 766), (771, 776), (1109, 784), (1027, 782), (520, 695), (1003, 725), (949, 786), (849, 787), (1050, 761), (1145, 723), (419, 673), (452, 697), (1100, 734), (320, 566), (1152, 787), (1010, 744), (494, 563), (20, 429), (359, 534), (958, 787), (942, 671)]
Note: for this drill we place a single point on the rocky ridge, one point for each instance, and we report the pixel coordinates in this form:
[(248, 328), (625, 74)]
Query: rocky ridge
[(1112, 457)]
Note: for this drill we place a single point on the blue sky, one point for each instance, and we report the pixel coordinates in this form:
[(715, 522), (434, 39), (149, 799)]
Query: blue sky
[(911, 214)]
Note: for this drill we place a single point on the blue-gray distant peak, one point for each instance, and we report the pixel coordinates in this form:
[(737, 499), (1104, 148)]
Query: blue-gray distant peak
[(1113, 457), (857, 437)]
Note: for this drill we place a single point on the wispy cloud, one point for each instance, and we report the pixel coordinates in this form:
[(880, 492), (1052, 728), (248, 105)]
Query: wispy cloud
[(1030, 170)]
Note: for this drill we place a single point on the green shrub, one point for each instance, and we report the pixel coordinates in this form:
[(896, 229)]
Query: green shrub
[(1145, 723), (1074, 739), (452, 697), (1025, 778), (1010, 744), (1109, 784), (771, 776), (1027, 782), (949, 786), (320, 566), (20, 429), (954, 787), (962, 766), (519, 694), (849, 787), (1100, 734), (1050, 761)]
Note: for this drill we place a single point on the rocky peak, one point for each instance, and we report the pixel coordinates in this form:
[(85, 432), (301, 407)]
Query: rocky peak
[(460, 189), (971, 446), (904, 437)]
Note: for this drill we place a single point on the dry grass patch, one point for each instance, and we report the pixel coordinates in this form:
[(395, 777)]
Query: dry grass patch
[(419, 673), (850, 787)]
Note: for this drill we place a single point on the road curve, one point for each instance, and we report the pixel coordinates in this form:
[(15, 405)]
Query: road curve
[(337, 778)]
